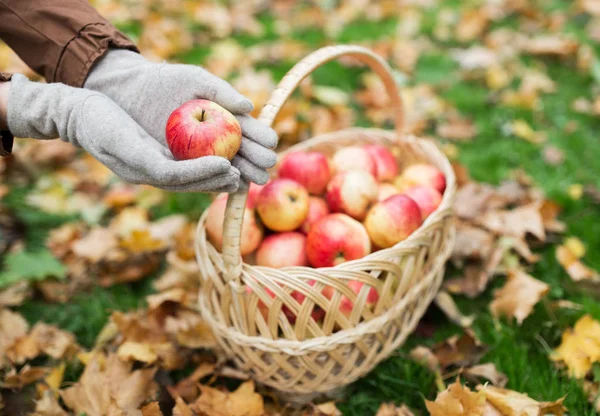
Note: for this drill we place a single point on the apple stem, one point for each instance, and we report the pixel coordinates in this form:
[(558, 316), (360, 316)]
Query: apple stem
[(202, 115)]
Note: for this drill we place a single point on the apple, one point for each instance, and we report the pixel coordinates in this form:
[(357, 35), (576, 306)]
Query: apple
[(253, 192), (428, 199), (335, 239), (346, 305), (203, 128), (354, 158), (421, 174), (282, 250), (386, 190), (386, 167), (252, 232), (317, 314), (262, 308), (317, 209), (310, 169), (282, 204), (352, 192), (393, 220)]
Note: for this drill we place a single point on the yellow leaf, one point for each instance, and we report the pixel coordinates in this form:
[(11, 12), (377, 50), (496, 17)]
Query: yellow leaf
[(457, 400), (518, 296), (140, 241), (512, 403), (390, 409), (137, 351), (523, 130), (497, 77), (242, 402), (575, 191), (575, 246), (55, 378), (580, 347), (569, 260)]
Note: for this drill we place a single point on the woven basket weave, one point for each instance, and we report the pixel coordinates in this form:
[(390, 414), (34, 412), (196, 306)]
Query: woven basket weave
[(307, 357)]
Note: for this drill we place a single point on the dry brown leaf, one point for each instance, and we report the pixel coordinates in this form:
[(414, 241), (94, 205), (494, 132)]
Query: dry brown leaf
[(445, 302), (518, 296), (473, 282), (575, 268), (487, 371), (151, 409), (242, 402), (26, 375), (187, 388), (457, 129), (181, 408), (112, 383), (12, 327), (580, 347), (457, 400), (516, 222), (549, 45), (15, 295), (471, 25), (460, 351), (136, 351), (509, 402), (96, 244), (553, 155), (48, 405), (549, 212), (390, 409), (425, 356), (325, 409), (472, 242)]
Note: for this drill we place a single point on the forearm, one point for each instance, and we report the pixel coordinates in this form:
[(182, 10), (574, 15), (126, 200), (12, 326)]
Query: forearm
[(4, 92), (60, 39)]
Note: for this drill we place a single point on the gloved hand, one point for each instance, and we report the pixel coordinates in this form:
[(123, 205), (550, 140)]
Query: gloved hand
[(149, 92), (94, 122)]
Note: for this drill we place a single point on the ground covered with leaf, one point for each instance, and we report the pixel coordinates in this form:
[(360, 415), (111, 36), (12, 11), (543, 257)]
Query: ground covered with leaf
[(98, 278)]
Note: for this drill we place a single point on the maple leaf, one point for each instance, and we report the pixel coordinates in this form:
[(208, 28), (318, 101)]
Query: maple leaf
[(188, 387), (26, 375), (580, 347), (96, 244), (518, 296), (43, 338), (141, 241), (109, 382), (461, 351), (390, 409), (445, 302), (12, 327), (568, 256), (242, 402), (457, 400), (151, 409), (509, 402), (516, 222), (14, 295), (181, 408), (48, 405), (30, 266), (487, 371)]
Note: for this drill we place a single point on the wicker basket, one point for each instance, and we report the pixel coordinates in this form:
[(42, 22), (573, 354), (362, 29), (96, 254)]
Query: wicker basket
[(306, 357)]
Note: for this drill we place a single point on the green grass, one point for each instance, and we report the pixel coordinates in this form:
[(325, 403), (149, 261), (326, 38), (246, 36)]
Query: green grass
[(520, 352)]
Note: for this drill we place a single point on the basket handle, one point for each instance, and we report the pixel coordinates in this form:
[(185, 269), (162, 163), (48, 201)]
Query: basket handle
[(236, 202)]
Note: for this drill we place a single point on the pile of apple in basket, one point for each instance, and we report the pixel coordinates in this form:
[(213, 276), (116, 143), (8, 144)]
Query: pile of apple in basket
[(321, 212)]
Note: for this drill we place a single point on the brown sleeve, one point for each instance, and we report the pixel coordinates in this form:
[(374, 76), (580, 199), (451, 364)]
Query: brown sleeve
[(60, 39), (6, 137)]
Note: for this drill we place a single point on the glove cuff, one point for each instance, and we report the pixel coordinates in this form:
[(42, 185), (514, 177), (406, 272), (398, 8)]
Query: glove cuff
[(115, 63)]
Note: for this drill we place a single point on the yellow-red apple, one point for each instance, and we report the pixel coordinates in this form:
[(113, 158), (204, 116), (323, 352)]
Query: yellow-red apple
[(428, 199), (253, 192), (421, 174), (386, 190), (393, 220), (352, 192), (282, 250), (317, 209), (335, 239), (282, 204), (346, 305), (203, 128), (252, 231), (353, 158), (386, 167), (310, 169)]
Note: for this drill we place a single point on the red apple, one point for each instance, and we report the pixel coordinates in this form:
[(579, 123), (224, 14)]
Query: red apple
[(252, 232), (317, 209), (310, 169), (428, 199), (253, 192), (282, 250), (393, 220), (346, 305), (421, 174), (352, 192), (203, 128), (282, 204), (386, 167), (354, 158), (386, 190), (335, 239)]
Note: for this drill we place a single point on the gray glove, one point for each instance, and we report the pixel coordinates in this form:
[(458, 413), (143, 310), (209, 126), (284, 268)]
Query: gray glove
[(149, 92), (94, 122)]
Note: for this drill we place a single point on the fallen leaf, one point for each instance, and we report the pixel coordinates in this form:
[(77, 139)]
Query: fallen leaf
[(580, 347), (568, 258), (141, 241), (516, 222), (460, 351), (471, 25), (445, 302), (425, 356), (12, 327), (457, 400), (242, 402), (518, 296), (14, 295), (187, 388), (96, 244), (55, 377), (113, 382), (473, 282), (390, 409), (151, 409), (509, 402), (26, 375), (457, 129), (472, 242), (181, 408), (523, 130), (326, 409), (575, 191), (553, 155), (487, 371), (136, 351), (48, 405), (549, 45)]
